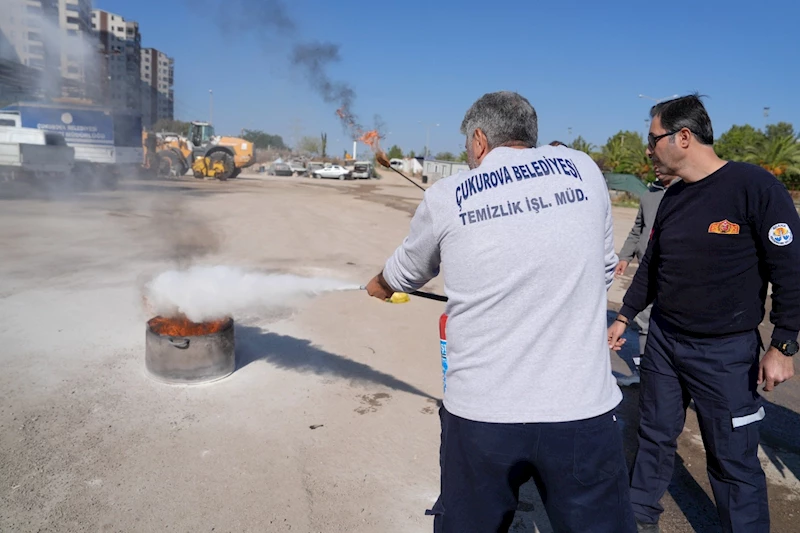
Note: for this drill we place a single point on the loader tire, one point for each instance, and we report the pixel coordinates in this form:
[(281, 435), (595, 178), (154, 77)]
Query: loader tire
[(236, 172), (169, 164)]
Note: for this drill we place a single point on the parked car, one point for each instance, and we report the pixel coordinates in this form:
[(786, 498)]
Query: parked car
[(362, 170), (333, 171), (297, 167), (280, 169), (312, 166)]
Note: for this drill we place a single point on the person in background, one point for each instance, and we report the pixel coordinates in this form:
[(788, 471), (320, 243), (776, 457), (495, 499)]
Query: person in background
[(636, 246), (529, 391), (721, 235)]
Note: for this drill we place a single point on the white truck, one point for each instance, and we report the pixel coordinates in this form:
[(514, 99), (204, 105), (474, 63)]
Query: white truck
[(29, 153), (107, 142)]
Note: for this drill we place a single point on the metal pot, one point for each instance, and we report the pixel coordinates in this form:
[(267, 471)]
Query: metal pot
[(192, 359)]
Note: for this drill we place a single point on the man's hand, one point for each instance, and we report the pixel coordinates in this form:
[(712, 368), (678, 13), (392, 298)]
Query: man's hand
[(378, 288), (615, 338), (774, 369), (620, 270)]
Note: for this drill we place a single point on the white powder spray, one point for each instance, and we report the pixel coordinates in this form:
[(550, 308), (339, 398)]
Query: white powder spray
[(205, 293)]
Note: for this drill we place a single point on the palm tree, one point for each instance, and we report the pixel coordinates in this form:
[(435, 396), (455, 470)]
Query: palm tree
[(613, 154), (622, 152), (582, 145), (780, 155)]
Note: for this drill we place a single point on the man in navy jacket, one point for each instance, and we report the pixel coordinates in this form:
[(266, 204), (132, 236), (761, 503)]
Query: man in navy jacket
[(720, 237)]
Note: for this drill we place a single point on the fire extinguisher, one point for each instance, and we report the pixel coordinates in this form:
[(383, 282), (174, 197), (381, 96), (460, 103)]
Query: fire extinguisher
[(443, 347)]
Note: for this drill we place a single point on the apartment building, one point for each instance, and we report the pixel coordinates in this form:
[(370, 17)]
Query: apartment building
[(120, 57), (158, 96), (26, 52), (79, 56)]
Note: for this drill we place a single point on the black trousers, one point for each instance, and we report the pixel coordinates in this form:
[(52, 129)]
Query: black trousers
[(579, 468), (720, 375)]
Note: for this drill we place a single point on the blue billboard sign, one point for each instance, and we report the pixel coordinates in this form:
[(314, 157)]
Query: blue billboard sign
[(78, 126)]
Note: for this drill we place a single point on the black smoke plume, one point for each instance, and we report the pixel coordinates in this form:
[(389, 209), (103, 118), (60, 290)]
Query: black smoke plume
[(265, 19)]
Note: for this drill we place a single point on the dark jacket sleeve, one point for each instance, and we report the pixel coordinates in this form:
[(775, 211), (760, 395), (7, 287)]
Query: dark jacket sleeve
[(777, 224), (642, 291), (629, 248)]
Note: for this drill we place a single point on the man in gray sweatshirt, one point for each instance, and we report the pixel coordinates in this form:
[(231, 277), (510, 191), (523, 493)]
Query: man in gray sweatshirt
[(529, 392), (635, 246)]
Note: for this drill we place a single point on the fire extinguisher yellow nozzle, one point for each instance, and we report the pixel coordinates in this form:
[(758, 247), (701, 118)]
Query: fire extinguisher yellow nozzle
[(399, 298)]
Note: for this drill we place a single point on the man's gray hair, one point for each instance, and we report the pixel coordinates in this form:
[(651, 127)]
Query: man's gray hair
[(505, 118)]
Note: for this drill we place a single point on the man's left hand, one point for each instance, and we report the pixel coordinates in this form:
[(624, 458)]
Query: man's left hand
[(378, 288), (774, 369)]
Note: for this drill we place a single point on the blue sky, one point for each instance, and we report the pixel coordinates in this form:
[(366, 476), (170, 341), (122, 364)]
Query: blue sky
[(582, 64)]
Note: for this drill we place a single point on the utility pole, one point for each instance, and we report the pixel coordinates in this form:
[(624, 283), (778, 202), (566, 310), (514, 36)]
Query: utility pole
[(427, 137), (210, 106), (766, 115)]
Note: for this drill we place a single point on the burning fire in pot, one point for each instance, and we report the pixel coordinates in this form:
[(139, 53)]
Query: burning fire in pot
[(180, 326), (178, 350), (191, 335)]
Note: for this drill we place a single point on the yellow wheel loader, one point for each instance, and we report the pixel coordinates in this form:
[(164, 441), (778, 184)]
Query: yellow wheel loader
[(217, 156), (206, 154)]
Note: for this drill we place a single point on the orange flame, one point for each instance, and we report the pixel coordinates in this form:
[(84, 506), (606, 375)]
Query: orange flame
[(370, 138), (180, 326)]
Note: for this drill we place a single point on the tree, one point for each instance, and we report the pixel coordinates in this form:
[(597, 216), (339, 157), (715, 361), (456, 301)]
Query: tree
[(445, 156), (624, 153), (779, 155), (582, 145), (395, 152), (734, 143), (172, 126), (781, 129), (463, 157), (309, 145), (411, 154), (263, 140), (777, 150), (324, 144)]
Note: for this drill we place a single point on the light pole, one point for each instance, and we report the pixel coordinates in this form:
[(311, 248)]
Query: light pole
[(766, 114), (427, 137), (658, 100), (210, 106)]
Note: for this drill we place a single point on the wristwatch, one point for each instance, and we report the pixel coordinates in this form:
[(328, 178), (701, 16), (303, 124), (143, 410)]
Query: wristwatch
[(788, 348)]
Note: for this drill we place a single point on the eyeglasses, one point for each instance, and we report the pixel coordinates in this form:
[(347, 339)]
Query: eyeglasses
[(652, 140)]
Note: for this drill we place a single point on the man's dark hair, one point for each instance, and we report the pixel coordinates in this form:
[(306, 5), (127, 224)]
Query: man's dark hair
[(557, 143), (685, 112)]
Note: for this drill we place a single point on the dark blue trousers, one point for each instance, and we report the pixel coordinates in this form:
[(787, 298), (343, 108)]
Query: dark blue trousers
[(720, 375), (579, 468)]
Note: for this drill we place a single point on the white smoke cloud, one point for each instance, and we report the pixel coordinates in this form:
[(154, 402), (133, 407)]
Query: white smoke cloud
[(61, 49), (204, 293)]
